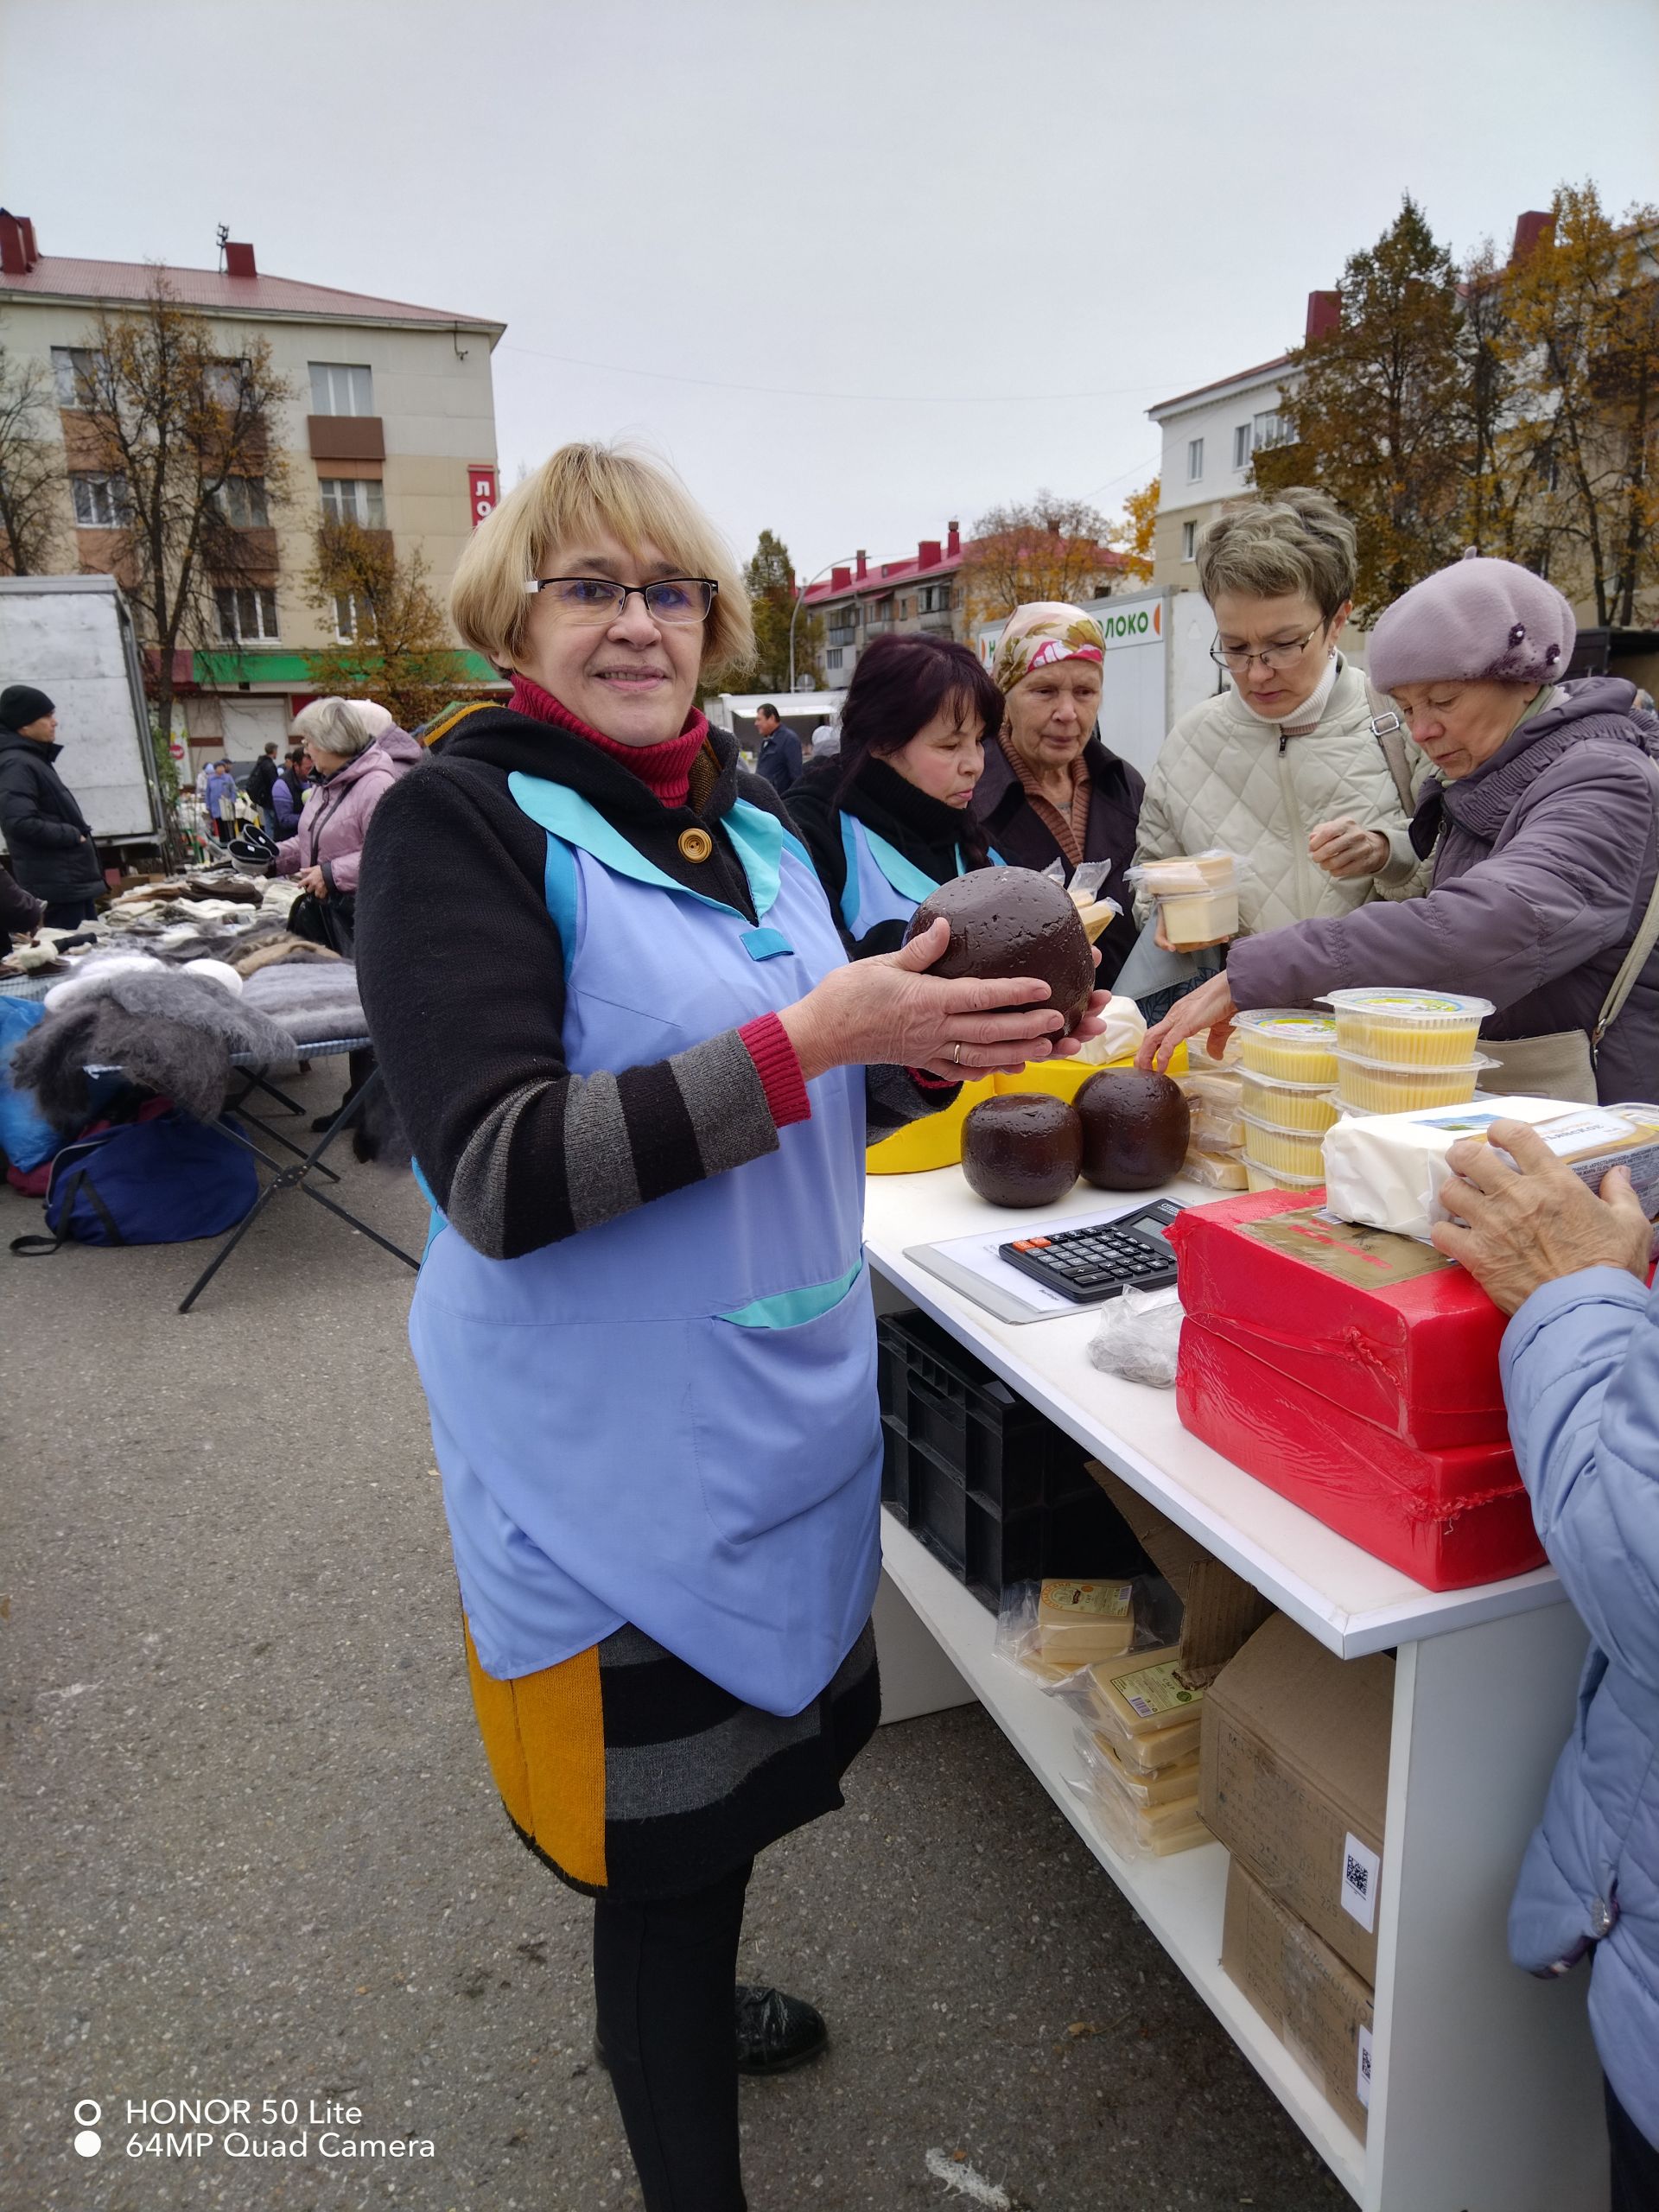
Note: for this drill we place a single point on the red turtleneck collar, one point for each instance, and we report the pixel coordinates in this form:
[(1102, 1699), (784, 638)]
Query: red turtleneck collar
[(665, 769)]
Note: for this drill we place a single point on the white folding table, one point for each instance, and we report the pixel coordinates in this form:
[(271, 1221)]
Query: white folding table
[(1485, 2092)]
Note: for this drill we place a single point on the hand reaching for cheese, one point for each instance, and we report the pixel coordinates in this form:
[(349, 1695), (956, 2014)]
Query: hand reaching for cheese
[(1516, 1230), (1343, 850)]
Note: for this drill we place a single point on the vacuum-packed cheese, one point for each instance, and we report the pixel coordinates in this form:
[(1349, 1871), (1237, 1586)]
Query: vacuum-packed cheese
[(1085, 1621), (1388, 1170)]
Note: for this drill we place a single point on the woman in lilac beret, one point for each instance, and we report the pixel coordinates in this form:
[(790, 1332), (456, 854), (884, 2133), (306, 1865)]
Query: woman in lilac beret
[(1543, 819)]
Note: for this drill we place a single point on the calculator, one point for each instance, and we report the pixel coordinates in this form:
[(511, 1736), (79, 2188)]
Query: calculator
[(1096, 1262)]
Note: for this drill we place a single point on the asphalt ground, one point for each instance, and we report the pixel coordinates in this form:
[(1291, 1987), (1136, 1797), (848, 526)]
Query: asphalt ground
[(250, 1849)]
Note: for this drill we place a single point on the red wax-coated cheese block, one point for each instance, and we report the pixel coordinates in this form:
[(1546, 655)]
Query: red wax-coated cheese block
[(1448, 1519), (1381, 1326)]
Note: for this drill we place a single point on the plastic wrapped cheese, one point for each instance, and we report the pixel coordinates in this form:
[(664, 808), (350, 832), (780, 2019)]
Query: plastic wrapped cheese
[(1386, 1170)]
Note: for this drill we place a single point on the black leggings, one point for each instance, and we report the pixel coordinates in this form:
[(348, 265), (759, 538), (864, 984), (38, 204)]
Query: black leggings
[(1635, 2160), (664, 1974)]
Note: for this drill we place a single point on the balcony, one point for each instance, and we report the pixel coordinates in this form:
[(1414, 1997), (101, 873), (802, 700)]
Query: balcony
[(841, 637), (347, 437)]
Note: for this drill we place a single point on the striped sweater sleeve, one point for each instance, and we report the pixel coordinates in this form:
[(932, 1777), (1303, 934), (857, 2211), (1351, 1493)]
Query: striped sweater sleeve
[(462, 974)]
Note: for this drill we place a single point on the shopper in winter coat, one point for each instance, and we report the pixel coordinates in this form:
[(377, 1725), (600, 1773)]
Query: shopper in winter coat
[(284, 805), (1282, 767), (1580, 1365), (261, 776), (53, 854), (887, 819), (20, 910), (360, 752), (1542, 817), (221, 801), (617, 1021), (1051, 790)]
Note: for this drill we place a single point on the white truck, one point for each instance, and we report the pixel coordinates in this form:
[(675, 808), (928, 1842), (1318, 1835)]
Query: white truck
[(73, 638)]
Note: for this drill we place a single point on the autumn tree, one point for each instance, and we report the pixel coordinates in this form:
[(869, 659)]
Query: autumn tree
[(1582, 342), (394, 645), (31, 468), (1376, 411), (1045, 548), (770, 577), (1132, 535), (175, 442)]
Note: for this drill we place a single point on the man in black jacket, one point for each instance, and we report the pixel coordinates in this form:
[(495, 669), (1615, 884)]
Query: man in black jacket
[(261, 776), (780, 760), (52, 850)]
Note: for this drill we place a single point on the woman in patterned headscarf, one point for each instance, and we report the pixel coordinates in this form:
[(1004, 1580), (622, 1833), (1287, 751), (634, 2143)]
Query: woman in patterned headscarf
[(1051, 790)]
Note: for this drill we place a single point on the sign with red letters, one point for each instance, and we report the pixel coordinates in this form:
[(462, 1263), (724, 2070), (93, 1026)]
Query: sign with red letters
[(481, 490)]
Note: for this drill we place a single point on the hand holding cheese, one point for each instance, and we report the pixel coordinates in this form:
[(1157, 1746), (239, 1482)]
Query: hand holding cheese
[(1518, 1227)]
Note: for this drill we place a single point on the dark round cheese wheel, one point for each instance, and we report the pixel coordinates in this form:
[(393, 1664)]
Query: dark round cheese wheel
[(1134, 1128), (1021, 1149), (1011, 921)]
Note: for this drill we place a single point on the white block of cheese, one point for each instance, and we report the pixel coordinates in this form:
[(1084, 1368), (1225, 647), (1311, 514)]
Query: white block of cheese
[(1386, 1170)]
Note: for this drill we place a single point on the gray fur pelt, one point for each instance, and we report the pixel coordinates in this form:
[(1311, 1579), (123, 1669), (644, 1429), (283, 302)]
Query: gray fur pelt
[(312, 1003), (174, 1034)]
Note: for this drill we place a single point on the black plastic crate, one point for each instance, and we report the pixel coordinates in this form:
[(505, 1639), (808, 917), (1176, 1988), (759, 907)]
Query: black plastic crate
[(1086, 1538), (1008, 1456)]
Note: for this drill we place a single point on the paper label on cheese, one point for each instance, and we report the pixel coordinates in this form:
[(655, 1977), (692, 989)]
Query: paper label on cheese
[(1093, 1600), (1362, 2083), (1360, 1870), (1157, 1689), (1371, 1259)]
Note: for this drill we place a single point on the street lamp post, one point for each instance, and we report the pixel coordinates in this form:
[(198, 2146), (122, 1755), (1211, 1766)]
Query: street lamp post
[(842, 560)]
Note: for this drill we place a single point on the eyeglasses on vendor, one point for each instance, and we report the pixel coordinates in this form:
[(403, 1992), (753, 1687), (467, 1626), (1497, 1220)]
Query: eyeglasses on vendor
[(1238, 658), (599, 599)]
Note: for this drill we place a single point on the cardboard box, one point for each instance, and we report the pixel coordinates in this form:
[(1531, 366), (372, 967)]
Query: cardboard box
[(1449, 1517), (1320, 2009), (1293, 1779), (1219, 1610), (1384, 1328)]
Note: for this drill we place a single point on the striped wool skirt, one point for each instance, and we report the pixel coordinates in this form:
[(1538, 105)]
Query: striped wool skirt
[(626, 1771)]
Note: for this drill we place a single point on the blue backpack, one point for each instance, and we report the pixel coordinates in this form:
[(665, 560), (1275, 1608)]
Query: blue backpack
[(156, 1182)]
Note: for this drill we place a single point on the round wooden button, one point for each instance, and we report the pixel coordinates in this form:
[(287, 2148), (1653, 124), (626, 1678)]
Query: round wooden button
[(697, 844)]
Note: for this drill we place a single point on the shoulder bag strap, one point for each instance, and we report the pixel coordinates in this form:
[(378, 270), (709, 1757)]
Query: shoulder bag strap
[(1635, 960), (1392, 745)]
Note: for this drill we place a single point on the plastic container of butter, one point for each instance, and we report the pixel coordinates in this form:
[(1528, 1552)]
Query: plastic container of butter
[(1278, 1178), (1408, 1028), (1197, 895), (1287, 1152), (1367, 1086), (1288, 1042), (1281, 1105)]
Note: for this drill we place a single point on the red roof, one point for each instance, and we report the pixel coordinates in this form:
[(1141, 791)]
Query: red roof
[(1239, 376), (910, 571), (58, 277)]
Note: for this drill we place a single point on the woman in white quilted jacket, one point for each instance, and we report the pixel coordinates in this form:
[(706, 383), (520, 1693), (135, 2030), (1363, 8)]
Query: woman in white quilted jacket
[(1281, 767)]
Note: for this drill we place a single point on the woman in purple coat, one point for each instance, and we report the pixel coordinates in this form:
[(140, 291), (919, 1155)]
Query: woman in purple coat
[(1542, 817)]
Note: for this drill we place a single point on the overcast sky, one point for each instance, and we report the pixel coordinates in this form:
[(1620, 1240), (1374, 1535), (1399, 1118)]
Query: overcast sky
[(856, 266)]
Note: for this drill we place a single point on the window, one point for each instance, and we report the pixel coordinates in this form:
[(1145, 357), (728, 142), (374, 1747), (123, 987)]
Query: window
[(241, 500), (101, 501), (247, 613), (337, 388), (354, 499), (1194, 460), (353, 617), (936, 598), (832, 658), (227, 380), (1242, 446), (1269, 429), (1189, 540), (74, 369)]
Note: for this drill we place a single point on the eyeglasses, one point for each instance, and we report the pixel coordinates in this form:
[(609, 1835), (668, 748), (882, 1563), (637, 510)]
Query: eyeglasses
[(597, 599), (1238, 658)]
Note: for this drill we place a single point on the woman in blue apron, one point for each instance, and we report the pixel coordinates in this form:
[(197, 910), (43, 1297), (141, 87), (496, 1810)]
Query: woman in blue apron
[(887, 820), (614, 1014)]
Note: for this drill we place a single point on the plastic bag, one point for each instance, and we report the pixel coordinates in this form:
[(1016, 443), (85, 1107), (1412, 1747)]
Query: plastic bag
[(1154, 1608), (1217, 1171), (1139, 1337), (1121, 1038)]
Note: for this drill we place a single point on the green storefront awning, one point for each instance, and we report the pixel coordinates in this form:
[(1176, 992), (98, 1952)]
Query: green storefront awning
[(227, 671)]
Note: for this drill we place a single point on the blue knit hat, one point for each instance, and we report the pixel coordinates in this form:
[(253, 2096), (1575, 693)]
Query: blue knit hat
[(1478, 620)]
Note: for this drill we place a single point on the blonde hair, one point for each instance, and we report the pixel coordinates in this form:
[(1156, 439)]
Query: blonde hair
[(338, 726), (1299, 541), (580, 489)]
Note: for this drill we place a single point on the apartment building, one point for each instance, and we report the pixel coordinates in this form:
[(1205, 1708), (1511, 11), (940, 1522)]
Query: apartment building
[(391, 421), (1210, 438)]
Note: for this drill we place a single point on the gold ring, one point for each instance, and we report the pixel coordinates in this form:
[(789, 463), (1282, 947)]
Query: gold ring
[(956, 1053)]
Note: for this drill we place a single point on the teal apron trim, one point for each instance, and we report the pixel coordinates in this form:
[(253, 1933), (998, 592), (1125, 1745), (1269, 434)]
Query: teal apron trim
[(850, 899), (791, 1308), (559, 888), (759, 839), (763, 944), (906, 879), (438, 1223)]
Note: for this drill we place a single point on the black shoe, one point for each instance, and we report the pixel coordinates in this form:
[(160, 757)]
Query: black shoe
[(327, 1121), (775, 2032)]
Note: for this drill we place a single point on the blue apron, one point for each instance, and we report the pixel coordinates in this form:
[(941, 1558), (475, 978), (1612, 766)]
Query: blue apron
[(881, 885), (670, 1419)]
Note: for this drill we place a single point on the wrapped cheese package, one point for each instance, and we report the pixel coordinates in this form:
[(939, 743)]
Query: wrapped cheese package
[(1388, 1170)]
